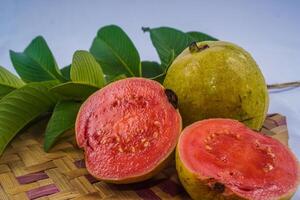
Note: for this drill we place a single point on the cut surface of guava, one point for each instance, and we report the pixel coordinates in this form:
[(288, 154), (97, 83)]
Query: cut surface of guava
[(127, 130), (224, 154)]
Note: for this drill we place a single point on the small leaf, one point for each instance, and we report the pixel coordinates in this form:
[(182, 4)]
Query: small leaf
[(28, 69), (23, 105), (73, 90), (36, 63), (116, 53), (85, 69), (62, 119), (110, 79), (169, 43), (8, 82), (65, 71), (199, 36), (151, 69), (39, 51)]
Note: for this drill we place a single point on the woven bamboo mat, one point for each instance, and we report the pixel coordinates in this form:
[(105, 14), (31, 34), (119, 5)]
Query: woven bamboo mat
[(27, 172)]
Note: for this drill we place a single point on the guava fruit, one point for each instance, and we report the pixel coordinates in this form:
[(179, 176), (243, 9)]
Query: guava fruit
[(224, 159), (128, 130), (216, 79)]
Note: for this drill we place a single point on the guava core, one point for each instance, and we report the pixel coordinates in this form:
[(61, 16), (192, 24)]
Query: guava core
[(216, 79), (128, 130)]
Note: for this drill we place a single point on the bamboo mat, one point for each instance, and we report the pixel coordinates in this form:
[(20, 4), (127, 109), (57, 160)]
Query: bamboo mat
[(27, 172)]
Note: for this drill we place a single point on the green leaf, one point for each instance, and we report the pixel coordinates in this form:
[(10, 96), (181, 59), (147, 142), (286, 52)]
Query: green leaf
[(23, 105), (151, 69), (8, 82), (199, 36), (36, 63), (110, 79), (62, 119), (85, 69), (28, 69), (168, 42), (73, 90), (116, 53), (65, 71)]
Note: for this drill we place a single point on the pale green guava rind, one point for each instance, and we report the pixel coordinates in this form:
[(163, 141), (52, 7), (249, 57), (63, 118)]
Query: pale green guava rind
[(222, 81), (196, 186)]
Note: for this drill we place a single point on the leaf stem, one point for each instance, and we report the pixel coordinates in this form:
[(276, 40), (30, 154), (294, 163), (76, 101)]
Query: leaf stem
[(284, 85)]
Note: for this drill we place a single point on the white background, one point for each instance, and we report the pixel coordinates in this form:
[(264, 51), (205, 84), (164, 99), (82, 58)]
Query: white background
[(269, 30)]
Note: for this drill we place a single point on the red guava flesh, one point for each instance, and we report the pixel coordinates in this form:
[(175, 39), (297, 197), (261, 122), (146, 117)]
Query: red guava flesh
[(248, 164), (127, 129)]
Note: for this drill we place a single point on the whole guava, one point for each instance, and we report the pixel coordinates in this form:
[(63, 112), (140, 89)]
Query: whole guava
[(216, 79)]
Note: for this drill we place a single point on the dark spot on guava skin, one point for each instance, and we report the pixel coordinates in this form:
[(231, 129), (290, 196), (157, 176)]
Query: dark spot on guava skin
[(218, 187), (246, 119), (172, 97), (240, 99)]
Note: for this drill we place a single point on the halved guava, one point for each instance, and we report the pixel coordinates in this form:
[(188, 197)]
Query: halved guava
[(223, 159), (128, 129)]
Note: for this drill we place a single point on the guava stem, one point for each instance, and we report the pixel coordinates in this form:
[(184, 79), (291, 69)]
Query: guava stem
[(193, 47), (284, 85), (145, 29)]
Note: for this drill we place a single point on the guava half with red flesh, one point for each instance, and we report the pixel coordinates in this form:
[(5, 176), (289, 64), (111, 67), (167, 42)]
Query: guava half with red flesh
[(128, 130), (223, 159)]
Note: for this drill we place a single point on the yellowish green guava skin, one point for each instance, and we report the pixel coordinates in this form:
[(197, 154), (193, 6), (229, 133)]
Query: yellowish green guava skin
[(222, 81), (197, 187)]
